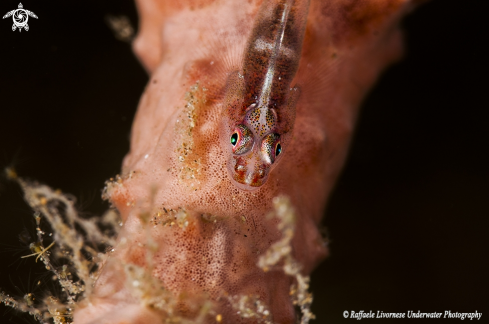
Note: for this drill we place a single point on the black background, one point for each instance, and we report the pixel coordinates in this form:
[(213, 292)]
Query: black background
[(409, 216)]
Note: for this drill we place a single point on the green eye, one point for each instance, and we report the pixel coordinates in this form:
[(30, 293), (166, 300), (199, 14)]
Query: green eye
[(234, 139), (278, 149)]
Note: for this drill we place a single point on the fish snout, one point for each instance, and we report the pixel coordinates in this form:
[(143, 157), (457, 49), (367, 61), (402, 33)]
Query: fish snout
[(248, 173)]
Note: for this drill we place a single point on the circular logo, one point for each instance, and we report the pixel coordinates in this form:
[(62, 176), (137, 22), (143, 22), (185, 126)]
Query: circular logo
[(345, 314), (20, 17)]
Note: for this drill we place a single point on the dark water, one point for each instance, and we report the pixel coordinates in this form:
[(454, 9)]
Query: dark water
[(409, 218)]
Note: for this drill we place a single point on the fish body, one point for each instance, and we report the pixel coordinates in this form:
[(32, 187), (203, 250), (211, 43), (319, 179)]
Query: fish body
[(261, 109)]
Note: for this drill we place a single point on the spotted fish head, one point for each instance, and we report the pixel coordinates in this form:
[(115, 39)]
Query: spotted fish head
[(255, 147)]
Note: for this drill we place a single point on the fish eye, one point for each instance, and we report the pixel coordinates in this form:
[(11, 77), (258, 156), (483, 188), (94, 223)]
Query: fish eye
[(278, 149), (241, 139), (234, 138), (271, 148)]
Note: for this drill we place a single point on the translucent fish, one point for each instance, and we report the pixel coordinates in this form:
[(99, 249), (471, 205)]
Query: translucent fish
[(260, 102)]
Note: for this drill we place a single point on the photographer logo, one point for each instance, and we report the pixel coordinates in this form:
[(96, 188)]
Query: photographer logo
[(20, 17)]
